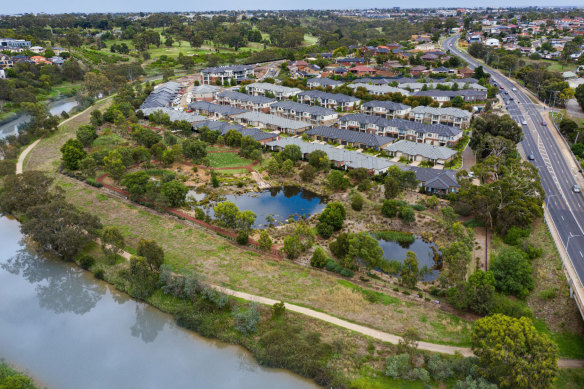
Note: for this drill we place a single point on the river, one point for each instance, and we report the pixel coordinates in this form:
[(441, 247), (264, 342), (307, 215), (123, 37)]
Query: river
[(69, 331), (55, 108)]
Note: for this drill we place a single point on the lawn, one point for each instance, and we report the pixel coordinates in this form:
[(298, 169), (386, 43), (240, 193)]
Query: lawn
[(310, 40), (224, 160)]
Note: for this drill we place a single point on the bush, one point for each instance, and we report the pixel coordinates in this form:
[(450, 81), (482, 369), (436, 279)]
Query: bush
[(199, 214), (406, 213), (247, 321), (99, 274), (357, 202), (512, 271), (94, 182), (514, 235), (86, 261), (319, 258), (242, 238), (389, 208), (325, 230), (265, 243), (347, 273)]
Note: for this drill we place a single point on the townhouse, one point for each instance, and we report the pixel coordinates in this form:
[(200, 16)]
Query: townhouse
[(277, 91), (224, 127), (361, 140), (379, 90), (449, 116), (215, 110), (245, 101), (436, 134), (204, 93), (304, 112), (418, 152), (385, 109), (272, 122), (162, 95), (328, 100), (175, 115), (435, 181), (441, 96), (341, 158), (323, 82), (224, 74)]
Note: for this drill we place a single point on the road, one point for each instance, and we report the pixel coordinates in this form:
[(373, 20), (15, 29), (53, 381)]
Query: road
[(558, 176)]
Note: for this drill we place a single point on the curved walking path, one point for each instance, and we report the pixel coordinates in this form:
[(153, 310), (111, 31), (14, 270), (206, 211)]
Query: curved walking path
[(22, 156)]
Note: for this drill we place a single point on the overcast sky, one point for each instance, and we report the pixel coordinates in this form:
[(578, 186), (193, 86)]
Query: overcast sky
[(61, 6)]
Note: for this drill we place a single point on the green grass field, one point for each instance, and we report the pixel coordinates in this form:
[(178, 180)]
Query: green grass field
[(223, 160)]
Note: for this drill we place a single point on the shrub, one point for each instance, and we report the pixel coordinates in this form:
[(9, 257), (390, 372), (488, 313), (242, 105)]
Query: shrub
[(199, 214), (389, 208), (406, 213), (514, 235), (357, 202), (319, 258), (278, 310), (346, 273), (439, 367), (99, 274), (325, 230), (265, 243), (512, 272), (419, 207), (86, 261), (432, 201), (242, 238), (397, 366), (247, 321), (93, 182)]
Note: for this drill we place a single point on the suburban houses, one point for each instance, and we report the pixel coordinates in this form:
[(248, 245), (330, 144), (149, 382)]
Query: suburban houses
[(414, 151), (385, 109), (310, 113), (272, 122), (328, 100), (224, 75), (245, 101), (349, 138), (449, 116), (271, 90)]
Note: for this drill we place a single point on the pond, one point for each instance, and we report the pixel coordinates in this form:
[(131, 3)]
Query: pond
[(55, 108), (279, 204), (69, 331), (424, 251)]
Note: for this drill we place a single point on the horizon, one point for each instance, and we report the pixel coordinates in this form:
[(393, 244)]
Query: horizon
[(134, 6)]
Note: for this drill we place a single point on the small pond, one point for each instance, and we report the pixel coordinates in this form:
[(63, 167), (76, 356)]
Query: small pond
[(278, 203), (424, 251)]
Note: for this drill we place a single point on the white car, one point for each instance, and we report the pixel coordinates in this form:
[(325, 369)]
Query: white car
[(524, 122), (514, 89)]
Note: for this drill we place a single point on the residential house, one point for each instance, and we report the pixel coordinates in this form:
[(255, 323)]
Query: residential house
[(361, 140), (379, 90), (449, 116), (350, 61), (465, 72), (436, 134), (162, 95), (245, 101), (417, 70), (361, 70), (323, 82), (37, 49), (385, 109), (328, 100), (418, 152), (204, 93), (277, 91), (435, 181), (39, 60), (59, 50), (6, 62), (224, 127), (441, 96), (56, 60), (224, 74), (14, 44), (175, 115), (341, 158), (272, 122), (215, 110), (304, 112)]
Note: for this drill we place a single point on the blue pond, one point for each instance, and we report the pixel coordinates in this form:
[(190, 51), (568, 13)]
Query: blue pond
[(423, 250), (279, 203)]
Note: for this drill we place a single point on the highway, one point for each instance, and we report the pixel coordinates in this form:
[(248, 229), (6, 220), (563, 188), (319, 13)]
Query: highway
[(565, 207)]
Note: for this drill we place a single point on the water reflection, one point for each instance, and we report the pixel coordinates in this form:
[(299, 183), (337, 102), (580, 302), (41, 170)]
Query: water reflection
[(426, 252), (59, 290), (145, 327)]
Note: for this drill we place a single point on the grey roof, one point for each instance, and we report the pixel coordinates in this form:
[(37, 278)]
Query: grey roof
[(402, 124), (341, 98), (298, 107), (257, 134), (245, 97), (370, 140), (234, 68), (206, 89), (424, 149), (450, 111), (383, 89), (216, 125), (162, 95), (273, 120), (389, 105), (323, 81), (175, 115), (225, 110), (451, 93), (350, 159), (273, 87), (435, 178), (372, 81)]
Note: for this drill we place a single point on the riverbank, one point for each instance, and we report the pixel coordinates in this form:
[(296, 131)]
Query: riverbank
[(12, 378)]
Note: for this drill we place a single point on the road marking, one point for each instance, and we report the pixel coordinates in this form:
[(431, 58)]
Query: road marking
[(581, 253)]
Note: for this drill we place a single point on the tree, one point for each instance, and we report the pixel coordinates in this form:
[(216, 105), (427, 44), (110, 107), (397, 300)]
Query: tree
[(291, 152), (362, 247), (226, 214), (112, 242), (87, 166), (264, 242), (59, 227), (318, 159), (152, 252), (114, 166), (319, 258), (72, 153), (333, 215), (175, 192), (86, 134), (409, 270), (513, 353), (389, 208), (307, 173), (23, 191), (579, 95), (300, 241), (292, 246), (142, 278), (512, 272), (337, 180), (391, 186)]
